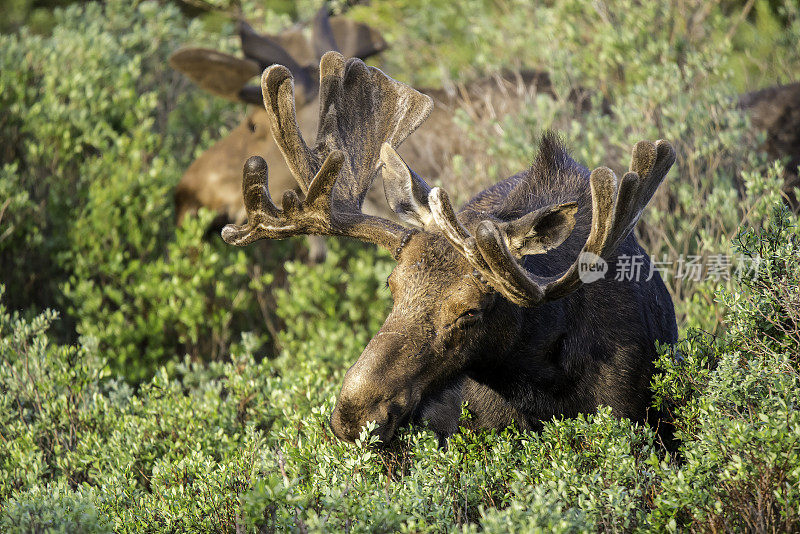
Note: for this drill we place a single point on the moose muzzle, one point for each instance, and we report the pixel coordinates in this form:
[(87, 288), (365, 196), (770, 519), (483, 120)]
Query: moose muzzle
[(376, 388)]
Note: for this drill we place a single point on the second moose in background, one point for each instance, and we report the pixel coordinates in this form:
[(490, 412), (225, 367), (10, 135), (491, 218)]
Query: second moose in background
[(213, 180)]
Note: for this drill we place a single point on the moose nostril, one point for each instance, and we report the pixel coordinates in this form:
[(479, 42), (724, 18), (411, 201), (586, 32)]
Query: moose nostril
[(340, 427), (348, 420)]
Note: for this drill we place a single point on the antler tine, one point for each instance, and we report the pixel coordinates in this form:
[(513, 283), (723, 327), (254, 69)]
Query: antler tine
[(313, 215), (360, 109), (277, 86), (616, 207), (257, 202), (265, 220), (445, 217), (649, 165), (371, 109)]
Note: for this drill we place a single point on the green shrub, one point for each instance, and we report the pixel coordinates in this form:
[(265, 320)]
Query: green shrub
[(50, 404), (54, 509), (246, 444), (313, 310), (97, 129), (735, 400)]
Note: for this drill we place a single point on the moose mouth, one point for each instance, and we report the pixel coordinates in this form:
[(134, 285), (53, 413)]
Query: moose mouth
[(438, 411), (348, 429)]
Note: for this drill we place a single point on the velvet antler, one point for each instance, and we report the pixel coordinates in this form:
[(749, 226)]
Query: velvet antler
[(360, 109), (616, 207)]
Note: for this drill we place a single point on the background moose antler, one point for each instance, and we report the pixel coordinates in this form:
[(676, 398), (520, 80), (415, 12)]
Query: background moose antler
[(228, 76)]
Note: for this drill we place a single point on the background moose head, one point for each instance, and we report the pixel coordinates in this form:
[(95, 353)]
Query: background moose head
[(213, 180)]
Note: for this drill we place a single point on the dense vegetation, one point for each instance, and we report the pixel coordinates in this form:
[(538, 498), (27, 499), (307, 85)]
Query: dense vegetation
[(153, 377)]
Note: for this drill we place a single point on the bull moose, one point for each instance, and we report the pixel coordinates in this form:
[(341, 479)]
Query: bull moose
[(490, 305)]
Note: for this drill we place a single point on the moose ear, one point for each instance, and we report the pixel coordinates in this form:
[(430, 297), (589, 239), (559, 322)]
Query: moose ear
[(218, 73), (356, 39), (540, 230), (406, 192), (266, 51)]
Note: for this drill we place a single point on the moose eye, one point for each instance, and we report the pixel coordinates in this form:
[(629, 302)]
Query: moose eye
[(251, 126), (469, 317)]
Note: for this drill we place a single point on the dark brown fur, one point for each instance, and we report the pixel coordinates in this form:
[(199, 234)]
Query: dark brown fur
[(776, 111)]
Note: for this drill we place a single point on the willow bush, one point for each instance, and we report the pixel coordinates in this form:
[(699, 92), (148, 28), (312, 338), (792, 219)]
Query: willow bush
[(97, 129)]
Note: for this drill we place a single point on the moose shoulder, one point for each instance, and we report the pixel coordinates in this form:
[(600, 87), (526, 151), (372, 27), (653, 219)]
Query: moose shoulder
[(489, 303)]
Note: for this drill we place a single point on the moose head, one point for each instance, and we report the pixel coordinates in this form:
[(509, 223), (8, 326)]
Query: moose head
[(490, 306)]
